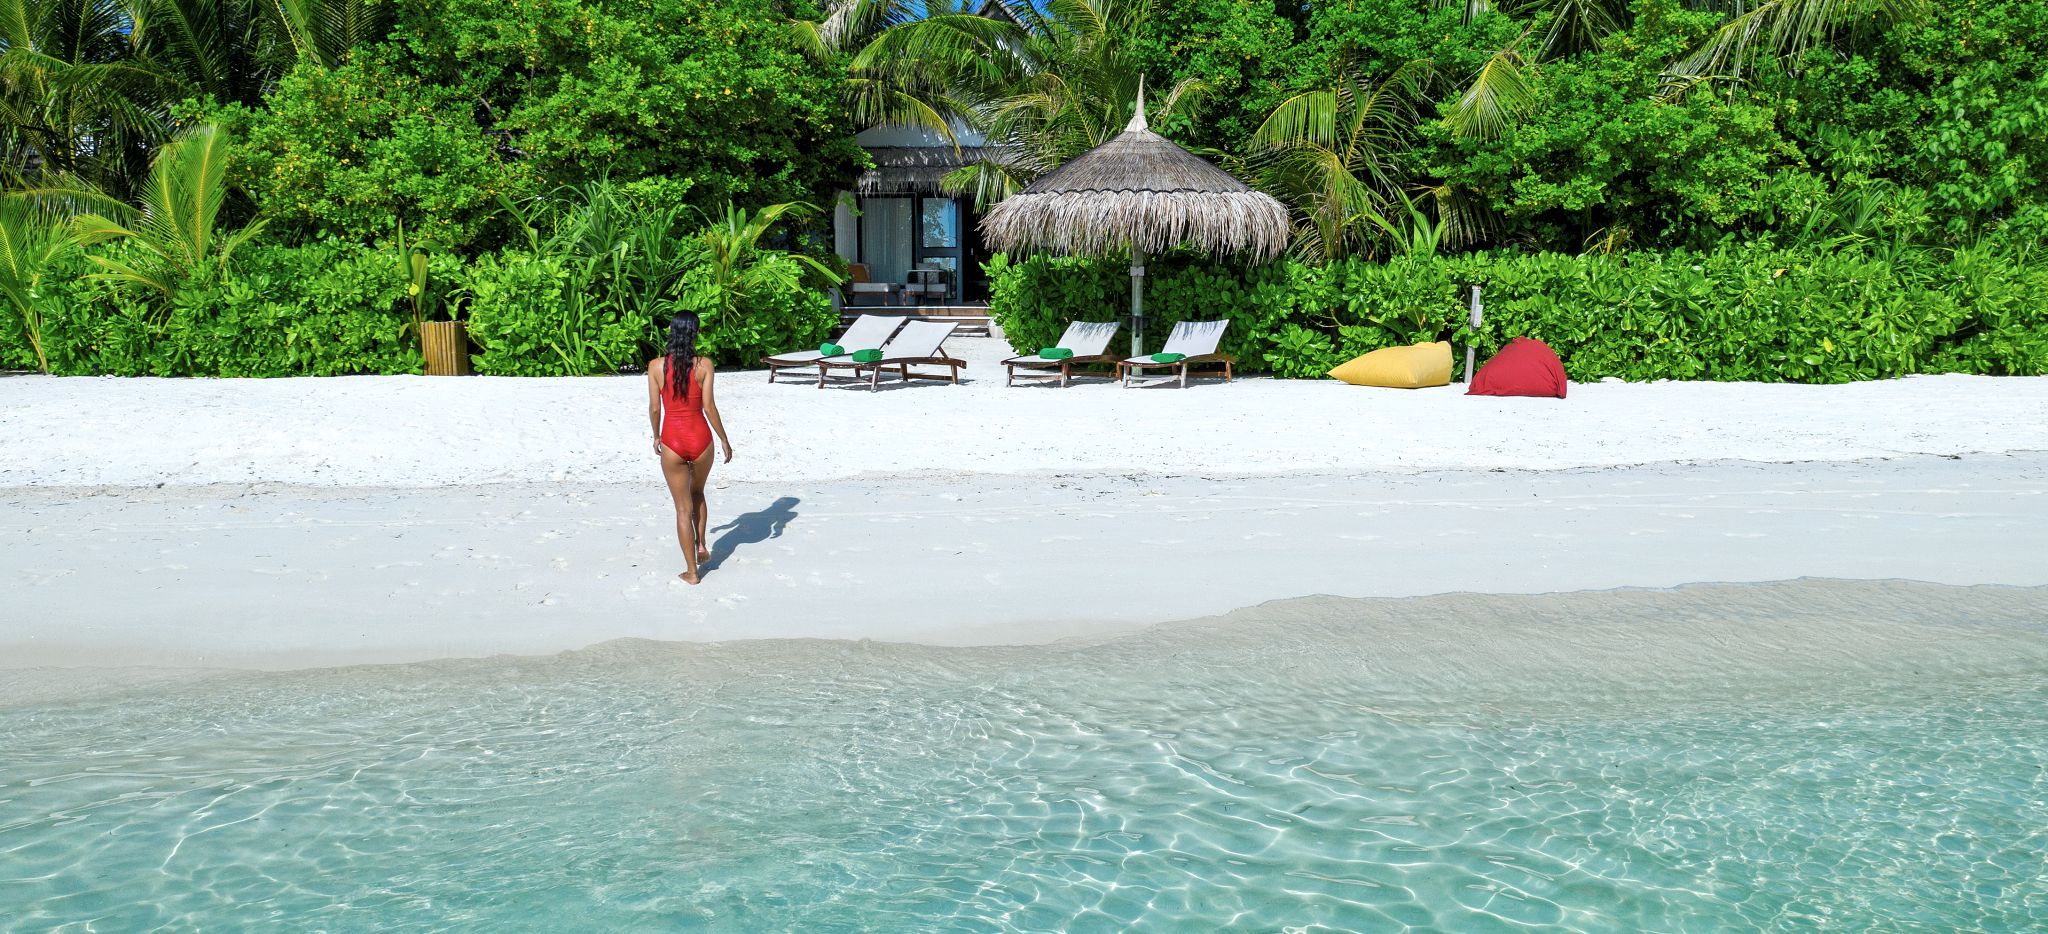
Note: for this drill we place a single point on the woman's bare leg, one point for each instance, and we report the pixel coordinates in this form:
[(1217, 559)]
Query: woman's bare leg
[(701, 476), (676, 472)]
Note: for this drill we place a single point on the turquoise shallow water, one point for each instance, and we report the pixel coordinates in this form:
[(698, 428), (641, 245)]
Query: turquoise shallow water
[(1801, 755)]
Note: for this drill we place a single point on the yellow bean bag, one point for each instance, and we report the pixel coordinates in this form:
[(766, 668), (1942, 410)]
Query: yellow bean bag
[(1399, 367)]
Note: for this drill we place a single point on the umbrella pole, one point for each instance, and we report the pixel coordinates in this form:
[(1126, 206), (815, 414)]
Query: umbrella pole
[(1137, 301)]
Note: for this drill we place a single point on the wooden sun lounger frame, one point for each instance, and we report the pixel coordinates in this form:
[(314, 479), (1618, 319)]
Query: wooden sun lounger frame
[(1185, 368), (775, 366), (902, 365), (1065, 367)]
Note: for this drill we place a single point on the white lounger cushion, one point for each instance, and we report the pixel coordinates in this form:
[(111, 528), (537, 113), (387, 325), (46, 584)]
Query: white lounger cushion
[(1084, 338), (1192, 339), (867, 331), (917, 340)]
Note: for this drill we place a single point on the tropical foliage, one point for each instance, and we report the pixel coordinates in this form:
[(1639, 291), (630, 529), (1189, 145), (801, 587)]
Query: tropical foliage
[(1736, 313), (268, 187), (1040, 84), (33, 245), (177, 231)]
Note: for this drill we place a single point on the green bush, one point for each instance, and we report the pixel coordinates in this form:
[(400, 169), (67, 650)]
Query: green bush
[(770, 319), (322, 310), (532, 315), (1732, 314), (354, 151), (567, 314), (684, 101), (1288, 318)]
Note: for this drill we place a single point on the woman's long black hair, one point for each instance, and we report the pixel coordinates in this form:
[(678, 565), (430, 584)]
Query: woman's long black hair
[(682, 351)]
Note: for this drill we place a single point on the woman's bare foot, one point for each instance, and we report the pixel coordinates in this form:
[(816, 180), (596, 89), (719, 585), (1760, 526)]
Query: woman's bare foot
[(703, 555), (688, 577)]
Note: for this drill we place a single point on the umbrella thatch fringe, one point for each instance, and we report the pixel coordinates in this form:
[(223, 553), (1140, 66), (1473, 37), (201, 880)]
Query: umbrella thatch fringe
[(1110, 222)]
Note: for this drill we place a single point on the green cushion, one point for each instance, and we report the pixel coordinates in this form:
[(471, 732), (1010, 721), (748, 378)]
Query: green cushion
[(867, 356), (830, 350), (1055, 353), (1168, 357)]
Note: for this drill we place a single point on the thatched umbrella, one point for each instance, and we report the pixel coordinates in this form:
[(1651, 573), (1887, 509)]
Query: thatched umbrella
[(1142, 193)]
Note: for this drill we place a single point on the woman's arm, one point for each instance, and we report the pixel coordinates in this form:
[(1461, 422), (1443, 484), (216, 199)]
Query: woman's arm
[(654, 401), (705, 371)]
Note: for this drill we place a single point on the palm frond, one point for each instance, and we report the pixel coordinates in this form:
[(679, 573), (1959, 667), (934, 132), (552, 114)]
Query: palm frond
[(1307, 119), (322, 31), (1578, 25), (58, 196), (1495, 100), (176, 227), (1782, 29)]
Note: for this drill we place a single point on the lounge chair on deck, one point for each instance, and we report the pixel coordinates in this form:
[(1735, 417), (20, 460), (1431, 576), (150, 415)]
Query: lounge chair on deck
[(1089, 341), (866, 333), (1194, 341), (918, 344)]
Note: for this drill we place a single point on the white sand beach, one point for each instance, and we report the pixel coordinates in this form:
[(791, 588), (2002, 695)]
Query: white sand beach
[(290, 523), (279, 576), (421, 431)]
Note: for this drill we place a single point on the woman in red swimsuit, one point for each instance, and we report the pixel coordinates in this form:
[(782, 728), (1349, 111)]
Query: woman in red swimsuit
[(679, 403)]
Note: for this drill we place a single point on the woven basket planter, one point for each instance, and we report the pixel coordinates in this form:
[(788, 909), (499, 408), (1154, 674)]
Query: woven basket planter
[(446, 346)]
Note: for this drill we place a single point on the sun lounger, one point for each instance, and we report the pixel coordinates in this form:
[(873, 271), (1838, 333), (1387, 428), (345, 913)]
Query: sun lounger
[(866, 332), (1195, 341), (1089, 340), (918, 344)]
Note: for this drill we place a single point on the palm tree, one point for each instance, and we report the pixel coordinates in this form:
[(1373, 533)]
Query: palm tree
[(1041, 84), (850, 24), (87, 87), (322, 31), (74, 94), (1330, 156), (1781, 30), (32, 243), (175, 230), (1754, 30)]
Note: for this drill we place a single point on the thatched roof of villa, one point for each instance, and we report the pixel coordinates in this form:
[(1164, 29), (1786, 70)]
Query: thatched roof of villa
[(1139, 189), (905, 169)]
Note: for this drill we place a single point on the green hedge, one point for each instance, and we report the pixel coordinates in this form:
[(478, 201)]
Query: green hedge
[(324, 310), (530, 316), (773, 319), (1735, 314), (330, 309), (549, 315)]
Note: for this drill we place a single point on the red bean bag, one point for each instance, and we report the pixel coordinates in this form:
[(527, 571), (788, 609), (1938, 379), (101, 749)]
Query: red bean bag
[(1525, 367)]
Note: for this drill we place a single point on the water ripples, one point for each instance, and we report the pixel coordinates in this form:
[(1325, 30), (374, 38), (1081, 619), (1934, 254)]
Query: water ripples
[(1302, 767)]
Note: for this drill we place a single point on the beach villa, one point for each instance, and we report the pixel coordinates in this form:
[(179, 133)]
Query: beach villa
[(910, 244), (908, 241)]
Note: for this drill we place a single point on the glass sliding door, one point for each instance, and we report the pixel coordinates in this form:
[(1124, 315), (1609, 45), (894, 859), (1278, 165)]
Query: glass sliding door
[(920, 246), (938, 247)]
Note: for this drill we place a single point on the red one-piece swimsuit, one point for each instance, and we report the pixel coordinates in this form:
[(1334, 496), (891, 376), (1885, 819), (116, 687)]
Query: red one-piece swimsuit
[(683, 428)]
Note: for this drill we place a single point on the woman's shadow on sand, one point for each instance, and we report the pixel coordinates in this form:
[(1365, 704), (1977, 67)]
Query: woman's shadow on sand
[(751, 528)]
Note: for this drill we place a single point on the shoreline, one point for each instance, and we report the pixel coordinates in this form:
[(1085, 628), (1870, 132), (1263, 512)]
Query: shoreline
[(1778, 637), (280, 577)]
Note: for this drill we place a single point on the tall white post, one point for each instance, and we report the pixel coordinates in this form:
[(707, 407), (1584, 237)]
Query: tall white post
[(1137, 301), (1471, 350)]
